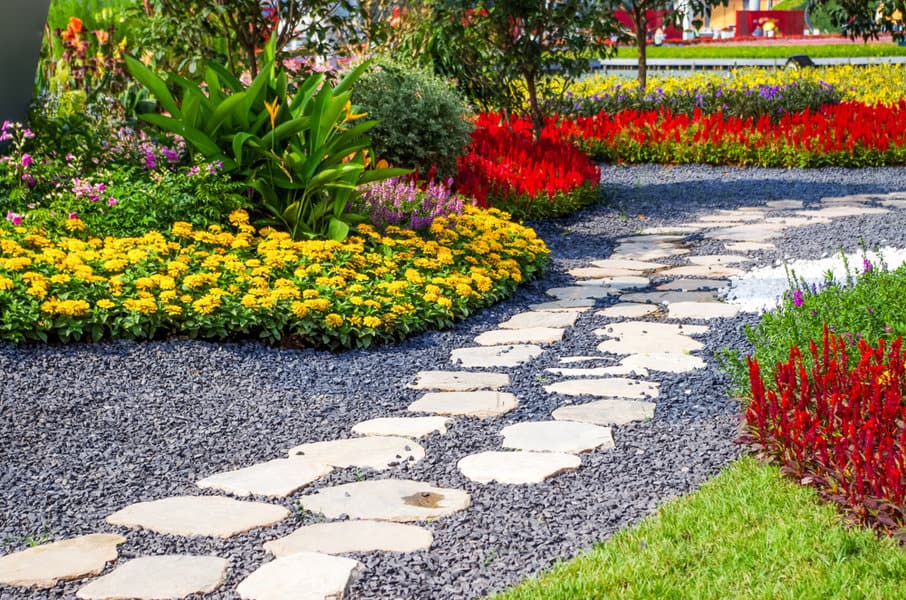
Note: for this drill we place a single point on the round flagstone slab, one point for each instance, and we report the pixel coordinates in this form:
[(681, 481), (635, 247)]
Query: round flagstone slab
[(692, 285), (599, 371), (556, 436), (611, 387), (607, 412), (670, 362), (648, 328), (629, 310), (410, 427), (301, 576), (373, 452), (578, 292), (681, 344), (458, 381), (749, 246), (576, 304), (668, 297), (626, 282), (627, 264), (747, 233), (600, 272), (276, 478), (43, 566), (159, 577), (516, 467), (534, 335), (496, 356), (712, 260), (702, 271), (400, 500), (701, 310), (480, 404), (541, 318), (189, 516), (341, 537), (784, 204)]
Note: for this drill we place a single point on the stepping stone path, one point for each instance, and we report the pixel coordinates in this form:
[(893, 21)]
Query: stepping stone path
[(637, 338), (341, 537), (301, 576), (43, 566), (152, 577), (373, 452)]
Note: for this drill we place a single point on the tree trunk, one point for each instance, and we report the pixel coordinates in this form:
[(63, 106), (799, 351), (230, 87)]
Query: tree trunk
[(641, 41), (534, 106)]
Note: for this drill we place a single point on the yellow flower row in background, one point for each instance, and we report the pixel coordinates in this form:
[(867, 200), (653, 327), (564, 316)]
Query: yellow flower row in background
[(874, 84), (219, 283)]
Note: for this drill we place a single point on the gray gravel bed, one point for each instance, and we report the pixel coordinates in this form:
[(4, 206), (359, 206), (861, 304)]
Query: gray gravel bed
[(89, 428)]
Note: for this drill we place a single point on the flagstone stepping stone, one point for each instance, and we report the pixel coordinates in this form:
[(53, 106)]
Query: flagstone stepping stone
[(341, 537), (373, 452), (645, 254), (784, 204), (897, 203), (574, 305), (516, 467), (685, 228), (301, 576), (853, 198), (629, 282), (535, 335), (747, 233), (577, 292), (598, 371), (276, 478), (710, 260), (669, 362), (540, 318), (648, 328), (842, 210), (790, 222), (190, 516), (480, 404), (628, 310), (701, 310), (43, 566), (611, 387), (668, 297), (748, 246), (651, 238), (599, 272), (607, 412), (702, 271), (577, 359), (729, 218), (164, 576), (627, 264), (692, 285), (400, 500), (647, 344), (556, 436), (458, 381), (496, 356), (410, 427)]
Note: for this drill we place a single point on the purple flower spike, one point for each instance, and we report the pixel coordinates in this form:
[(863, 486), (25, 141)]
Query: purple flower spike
[(866, 265), (798, 299)]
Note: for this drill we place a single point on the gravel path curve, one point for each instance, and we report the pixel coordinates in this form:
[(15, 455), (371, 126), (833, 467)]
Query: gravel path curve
[(89, 428)]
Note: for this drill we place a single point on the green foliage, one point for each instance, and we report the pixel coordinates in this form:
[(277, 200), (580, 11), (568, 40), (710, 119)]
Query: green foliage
[(301, 153), (748, 533), (421, 118), (860, 19)]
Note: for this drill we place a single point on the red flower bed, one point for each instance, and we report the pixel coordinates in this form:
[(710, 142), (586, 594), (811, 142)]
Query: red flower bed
[(507, 169), (847, 134), (841, 427)]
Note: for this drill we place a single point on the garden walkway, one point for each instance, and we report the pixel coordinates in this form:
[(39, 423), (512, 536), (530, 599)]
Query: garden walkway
[(646, 308)]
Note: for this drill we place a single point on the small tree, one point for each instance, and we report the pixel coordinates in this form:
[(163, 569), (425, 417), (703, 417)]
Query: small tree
[(864, 19), (506, 53)]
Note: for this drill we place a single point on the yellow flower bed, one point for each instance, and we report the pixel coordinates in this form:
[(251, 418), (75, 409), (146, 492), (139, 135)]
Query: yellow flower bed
[(220, 283), (875, 84)]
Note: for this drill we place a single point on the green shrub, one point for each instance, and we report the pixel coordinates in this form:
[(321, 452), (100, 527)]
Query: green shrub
[(421, 117)]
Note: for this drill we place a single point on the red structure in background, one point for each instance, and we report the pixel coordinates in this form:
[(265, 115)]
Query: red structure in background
[(655, 20), (785, 22)]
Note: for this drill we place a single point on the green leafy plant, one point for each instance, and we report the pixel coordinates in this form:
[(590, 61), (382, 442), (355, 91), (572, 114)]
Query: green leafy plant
[(421, 117), (302, 154)]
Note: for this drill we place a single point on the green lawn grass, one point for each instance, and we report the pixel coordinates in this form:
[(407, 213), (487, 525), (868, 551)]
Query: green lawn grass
[(844, 50), (747, 533)]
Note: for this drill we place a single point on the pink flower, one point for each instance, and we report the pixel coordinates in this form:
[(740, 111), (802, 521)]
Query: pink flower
[(27, 160), (111, 201), (13, 218), (73, 215)]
